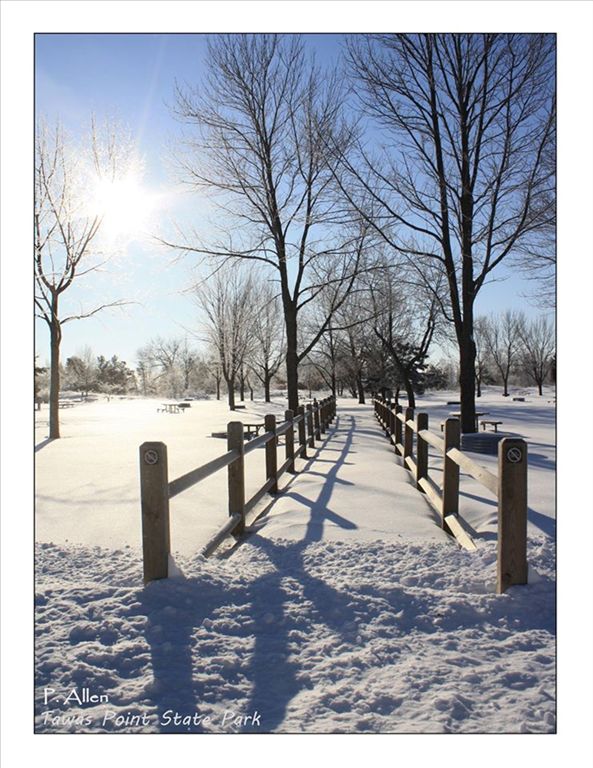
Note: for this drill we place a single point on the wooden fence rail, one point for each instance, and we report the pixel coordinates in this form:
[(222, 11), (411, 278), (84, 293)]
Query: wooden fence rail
[(509, 485), (156, 489)]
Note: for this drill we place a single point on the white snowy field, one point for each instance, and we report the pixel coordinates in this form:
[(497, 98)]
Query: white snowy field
[(346, 609)]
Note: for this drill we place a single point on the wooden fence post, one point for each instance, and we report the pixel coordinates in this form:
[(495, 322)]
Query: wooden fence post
[(512, 513), (271, 455), (302, 431), (310, 425), (322, 415), (236, 474), (408, 433), (392, 422), (289, 416), (398, 428), (316, 418), (421, 449), (450, 471), (154, 499)]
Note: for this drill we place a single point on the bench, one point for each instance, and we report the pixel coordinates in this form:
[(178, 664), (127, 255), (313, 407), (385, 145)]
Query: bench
[(492, 423), (518, 399), (66, 404)]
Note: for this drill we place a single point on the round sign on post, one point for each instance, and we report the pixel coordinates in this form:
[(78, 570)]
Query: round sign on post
[(514, 455), (151, 457)]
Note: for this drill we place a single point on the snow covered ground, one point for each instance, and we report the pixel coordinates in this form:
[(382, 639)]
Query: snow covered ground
[(342, 612)]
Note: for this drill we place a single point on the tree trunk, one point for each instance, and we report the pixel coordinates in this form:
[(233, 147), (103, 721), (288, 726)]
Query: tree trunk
[(467, 382), (505, 381), (267, 380), (230, 383), (410, 393), (292, 360), (54, 378), (218, 387), (478, 385), (242, 388), (360, 387)]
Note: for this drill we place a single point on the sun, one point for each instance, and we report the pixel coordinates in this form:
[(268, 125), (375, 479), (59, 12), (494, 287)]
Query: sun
[(124, 206)]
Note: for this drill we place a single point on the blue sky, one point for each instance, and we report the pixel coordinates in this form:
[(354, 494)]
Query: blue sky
[(132, 77)]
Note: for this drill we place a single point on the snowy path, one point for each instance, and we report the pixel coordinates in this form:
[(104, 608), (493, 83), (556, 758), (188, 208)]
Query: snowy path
[(354, 490)]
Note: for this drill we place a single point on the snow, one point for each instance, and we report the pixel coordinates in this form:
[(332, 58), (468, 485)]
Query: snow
[(345, 610), (326, 637)]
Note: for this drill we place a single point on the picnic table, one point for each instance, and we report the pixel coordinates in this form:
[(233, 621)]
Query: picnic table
[(168, 408), (457, 415), (493, 423), (251, 430)]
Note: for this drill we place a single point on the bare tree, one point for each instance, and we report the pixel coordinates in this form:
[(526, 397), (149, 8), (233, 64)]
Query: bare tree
[(537, 348), (405, 323), (268, 349), (463, 184), (189, 362), (167, 364), (265, 115), (165, 357), (226, 299), (356, 318), (482, 354), (324, 358), (213, 368), (67, 229), (146, 368), (502, 340), (340, 355), (537, 260)]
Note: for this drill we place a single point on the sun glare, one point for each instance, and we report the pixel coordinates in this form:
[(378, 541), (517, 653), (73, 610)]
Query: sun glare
[(124, 206)]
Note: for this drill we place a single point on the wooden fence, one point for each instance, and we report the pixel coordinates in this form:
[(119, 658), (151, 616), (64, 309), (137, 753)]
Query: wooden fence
[(509, 486), (156, 489)]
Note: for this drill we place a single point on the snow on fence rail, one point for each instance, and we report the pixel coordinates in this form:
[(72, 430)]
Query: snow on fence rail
[(156, 489), (509, 486)]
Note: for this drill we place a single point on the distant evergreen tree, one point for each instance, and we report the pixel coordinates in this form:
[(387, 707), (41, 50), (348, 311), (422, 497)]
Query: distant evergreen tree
[(114, 376), (39, 371), (81, 374)]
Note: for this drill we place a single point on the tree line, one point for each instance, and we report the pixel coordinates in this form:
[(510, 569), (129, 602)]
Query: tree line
[(349, 360)]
